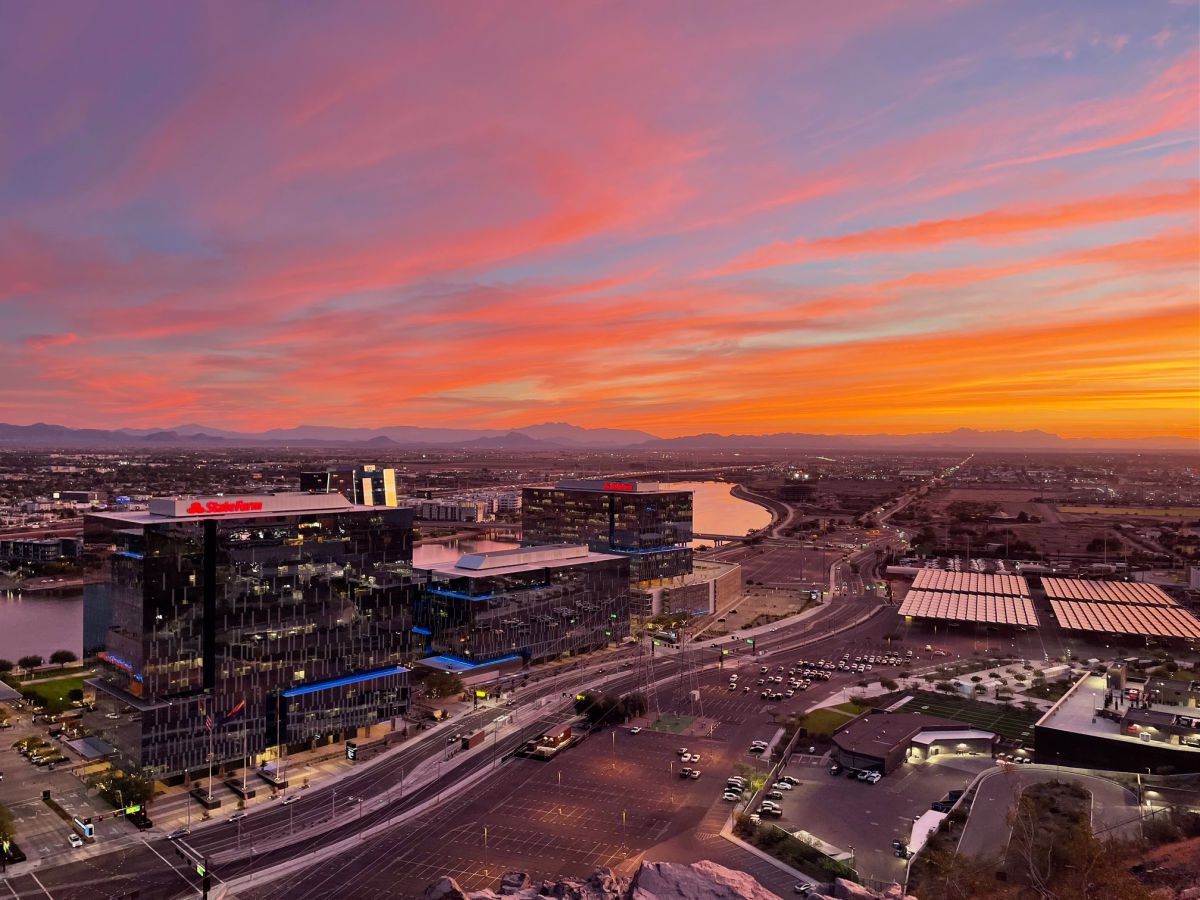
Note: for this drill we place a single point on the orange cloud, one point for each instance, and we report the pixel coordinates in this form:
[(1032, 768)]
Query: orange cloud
[(991, 225)]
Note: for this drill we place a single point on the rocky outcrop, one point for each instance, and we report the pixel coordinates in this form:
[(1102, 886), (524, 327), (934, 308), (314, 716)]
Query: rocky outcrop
[(848, 890), (653, 881), (698, 881)]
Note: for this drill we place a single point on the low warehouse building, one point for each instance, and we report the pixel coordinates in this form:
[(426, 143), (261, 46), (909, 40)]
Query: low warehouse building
[(882, 741)]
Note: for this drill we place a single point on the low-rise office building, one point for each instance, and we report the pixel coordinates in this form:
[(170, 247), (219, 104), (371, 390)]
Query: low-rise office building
[(534, 603), (1097, 725), (883, 741), (245, 624)]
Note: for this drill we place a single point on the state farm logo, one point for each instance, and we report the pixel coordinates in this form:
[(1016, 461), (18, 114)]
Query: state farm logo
[(613, 486), (224, 506)]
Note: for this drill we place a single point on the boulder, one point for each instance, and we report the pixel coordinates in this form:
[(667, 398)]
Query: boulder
[(698, 881), (849, 890), (445, 888)]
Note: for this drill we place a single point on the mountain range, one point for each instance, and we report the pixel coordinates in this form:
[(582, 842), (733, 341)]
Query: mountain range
[(559, 436)]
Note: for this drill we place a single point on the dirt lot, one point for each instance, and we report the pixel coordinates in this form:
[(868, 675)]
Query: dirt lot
[(1010, 500)]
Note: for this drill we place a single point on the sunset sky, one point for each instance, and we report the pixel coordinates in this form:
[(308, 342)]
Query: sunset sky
[(682, 217)]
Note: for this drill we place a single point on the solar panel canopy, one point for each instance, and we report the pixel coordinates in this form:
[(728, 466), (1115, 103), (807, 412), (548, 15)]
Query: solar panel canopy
[(1132, 592), (959, 607), (999, 585), (1126, 618)]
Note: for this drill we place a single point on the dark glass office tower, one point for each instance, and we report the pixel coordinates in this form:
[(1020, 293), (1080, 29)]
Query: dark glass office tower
[(639, 520), (296, 604), (535, 602)]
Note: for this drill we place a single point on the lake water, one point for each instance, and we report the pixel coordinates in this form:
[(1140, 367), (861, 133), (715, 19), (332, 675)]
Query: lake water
[(39, 626), (46, 624)]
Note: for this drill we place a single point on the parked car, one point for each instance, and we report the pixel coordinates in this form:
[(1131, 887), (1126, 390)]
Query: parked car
[(684, 773), (695, 775), (835, 769), (74, 840), (774, 795), (636, 729)]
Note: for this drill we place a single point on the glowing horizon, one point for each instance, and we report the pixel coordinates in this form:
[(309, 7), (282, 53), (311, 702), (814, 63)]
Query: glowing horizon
[(679, 218)]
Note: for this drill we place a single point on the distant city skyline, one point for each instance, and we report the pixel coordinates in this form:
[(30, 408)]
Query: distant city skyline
[(680, 218)]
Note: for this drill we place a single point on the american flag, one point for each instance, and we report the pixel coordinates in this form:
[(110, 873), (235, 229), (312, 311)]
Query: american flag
[(208, 723)]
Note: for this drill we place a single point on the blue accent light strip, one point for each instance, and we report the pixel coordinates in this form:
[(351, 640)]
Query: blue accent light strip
[(130, 554), (342, 682), (417, 630), (474, 664), (457, 596), (641, 552)]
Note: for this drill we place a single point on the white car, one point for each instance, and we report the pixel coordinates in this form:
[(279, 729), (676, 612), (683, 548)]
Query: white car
[(636, 729), (733, 677), (731, 797), (289, 800), (682, 751), (687, 757), (781, 786), (74, 840), (695, 757)]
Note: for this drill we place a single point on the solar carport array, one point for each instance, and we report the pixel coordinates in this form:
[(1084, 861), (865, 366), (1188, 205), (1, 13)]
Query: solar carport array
[(971, 583), (955, 607), (1136, 592), (1126, 618)]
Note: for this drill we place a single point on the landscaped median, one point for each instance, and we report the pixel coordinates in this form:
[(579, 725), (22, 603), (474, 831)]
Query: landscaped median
[(791, 851)]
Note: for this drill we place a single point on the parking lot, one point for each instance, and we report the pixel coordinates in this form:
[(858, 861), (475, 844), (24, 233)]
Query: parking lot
[(601, 803), (788, 565), (852, 814)]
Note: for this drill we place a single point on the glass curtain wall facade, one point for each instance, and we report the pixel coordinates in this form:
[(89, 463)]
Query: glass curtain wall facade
[(651, 528), (537, 613), (207, 613)]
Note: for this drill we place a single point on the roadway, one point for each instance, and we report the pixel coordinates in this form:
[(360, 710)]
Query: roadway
[(275, 834), (1115, 811)]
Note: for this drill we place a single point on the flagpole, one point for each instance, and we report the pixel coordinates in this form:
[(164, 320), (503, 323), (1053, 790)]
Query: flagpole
[(245, 754), (210, 758)]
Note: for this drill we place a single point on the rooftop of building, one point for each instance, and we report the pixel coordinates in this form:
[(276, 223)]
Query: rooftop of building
[(614, 486), (242, 506), (520, 559), (877, 733), (1078, 712)]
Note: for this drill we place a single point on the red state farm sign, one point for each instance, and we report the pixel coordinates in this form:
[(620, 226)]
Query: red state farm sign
[(224, 506), (614, 486)]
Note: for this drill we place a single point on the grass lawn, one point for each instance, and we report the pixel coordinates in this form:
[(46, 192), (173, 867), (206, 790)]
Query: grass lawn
[(1009, 723), (850, 708), (672, 723), (826, 721), (55, 694)]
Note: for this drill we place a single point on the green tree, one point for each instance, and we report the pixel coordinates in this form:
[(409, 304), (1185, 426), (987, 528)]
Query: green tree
[(6, 666), (29, 663), (633, 705), (888, 684), (442, 684), (8, 829), (61, 657)]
